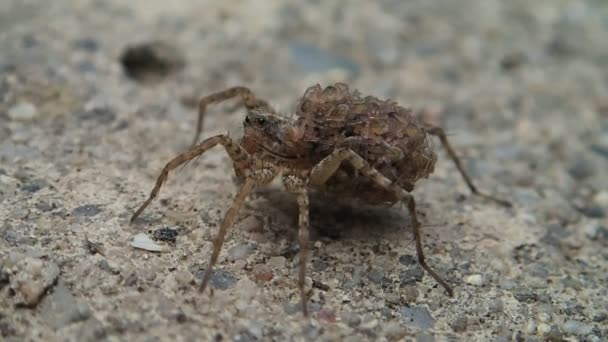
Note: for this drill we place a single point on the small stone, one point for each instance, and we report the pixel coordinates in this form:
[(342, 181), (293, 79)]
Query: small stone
[(419, 316), (554, 334), (151, 60), (531, 327), (99, 115), (408, 260), (597, 318), (33, 278), (524, 295), (240, 252), (262, 272), (60, 307), (543, 328), (376, 276), (351, 319), (582, 169), (23, 111), (327, 316), (411, 276), (474, 279), (143, 241), (394, 331), (496, 306), (369, 323), (183, 278), (459, 324), (87, 210), (410, 293), (601, 198), (165, 234), (577, 328), (220, 279), (277, 263), (593, 211)]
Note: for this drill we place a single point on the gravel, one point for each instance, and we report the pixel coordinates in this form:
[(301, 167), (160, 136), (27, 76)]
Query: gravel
[(521, 91)]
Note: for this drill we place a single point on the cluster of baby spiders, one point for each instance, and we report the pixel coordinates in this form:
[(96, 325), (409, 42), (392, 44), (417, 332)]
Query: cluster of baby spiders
[(338, 143)]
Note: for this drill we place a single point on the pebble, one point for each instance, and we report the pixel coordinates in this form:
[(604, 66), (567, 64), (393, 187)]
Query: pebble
[(60, 308), (143, 241), (151, 60), (183, 278), (277, 262), (419, 316), (459, 324), (543, 328), (351, 319), (554, 334), (577, 327), (8, 186), (220, 279), (601, 198), (32, 279), (23, 111), (165, 234), (376, 276), (239, 252), (394, 331), (474, 279), (262, 272), (87, 210)]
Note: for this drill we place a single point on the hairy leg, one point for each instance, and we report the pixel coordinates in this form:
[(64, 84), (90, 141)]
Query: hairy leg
[(296, 185), (440, 133), (247, 97), (239, 156), (256, 177), (326, 167)]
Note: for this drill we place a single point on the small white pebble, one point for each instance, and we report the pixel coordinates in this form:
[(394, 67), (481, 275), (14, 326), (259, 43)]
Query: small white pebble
[(577, 328), (474, 279), (23, 111), (543, 328), (531, 327), (143, 241), (544, 317), (601, 198)]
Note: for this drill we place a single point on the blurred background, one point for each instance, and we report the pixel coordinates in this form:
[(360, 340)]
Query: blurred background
[(96, 95)]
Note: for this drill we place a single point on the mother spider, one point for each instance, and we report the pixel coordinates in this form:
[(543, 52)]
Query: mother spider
[(338, 143)]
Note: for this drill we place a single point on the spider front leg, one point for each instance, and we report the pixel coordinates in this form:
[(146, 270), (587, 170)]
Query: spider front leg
[(248, 99), (239, 156), (254, 177), (297, 185), (330, 164), (440, 133)]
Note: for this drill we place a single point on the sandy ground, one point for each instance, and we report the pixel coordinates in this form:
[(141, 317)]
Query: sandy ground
[(521, 86)]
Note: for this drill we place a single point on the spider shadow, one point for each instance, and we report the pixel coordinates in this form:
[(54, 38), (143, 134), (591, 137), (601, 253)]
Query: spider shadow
[(338, 219)]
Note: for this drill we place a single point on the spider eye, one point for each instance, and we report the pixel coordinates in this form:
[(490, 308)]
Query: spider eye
[(261, 120)]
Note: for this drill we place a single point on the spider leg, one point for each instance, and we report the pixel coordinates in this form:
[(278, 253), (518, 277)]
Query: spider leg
[(325, 169), (248, 99), (296, 185), (239, 156), (440, 133), (256, 177)]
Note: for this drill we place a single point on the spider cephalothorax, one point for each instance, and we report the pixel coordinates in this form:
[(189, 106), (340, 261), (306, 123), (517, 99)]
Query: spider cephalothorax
[(338, 143)]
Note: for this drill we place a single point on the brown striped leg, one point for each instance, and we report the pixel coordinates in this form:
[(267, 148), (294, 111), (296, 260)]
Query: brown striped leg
[(239, 156), (326, 167), (247, 97), (296, 185), (440, 133), (255, 177)]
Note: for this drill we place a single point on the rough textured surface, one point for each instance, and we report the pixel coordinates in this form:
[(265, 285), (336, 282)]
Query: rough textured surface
[(521, 87)]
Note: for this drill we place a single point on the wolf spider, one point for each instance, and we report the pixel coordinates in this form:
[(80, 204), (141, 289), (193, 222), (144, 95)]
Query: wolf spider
[(338, 143)]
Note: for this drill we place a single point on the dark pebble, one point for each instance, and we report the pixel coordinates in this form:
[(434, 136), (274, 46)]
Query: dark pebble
[(582, 169), (459, 324), (220, 279), (165, 234), (601, 150), (130, 280), (411, 276), (593, 211), (555, 234), (527, 253), (4, 278), (376, 276), (524, 295), (46, 206), (101, 115), (312, 332), (151, 60), (245, 336), (34, 185), (408, 260), (600, 317), (87, 210), (512, 61), (554, 335)]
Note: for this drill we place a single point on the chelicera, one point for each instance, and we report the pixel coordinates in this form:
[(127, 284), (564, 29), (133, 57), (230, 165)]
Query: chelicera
[(338, 143)]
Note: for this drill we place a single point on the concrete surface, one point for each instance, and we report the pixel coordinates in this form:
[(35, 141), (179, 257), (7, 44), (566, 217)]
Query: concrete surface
[(521, 86)]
